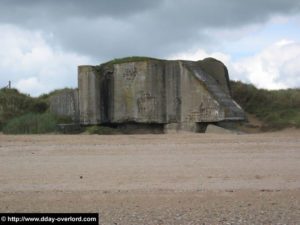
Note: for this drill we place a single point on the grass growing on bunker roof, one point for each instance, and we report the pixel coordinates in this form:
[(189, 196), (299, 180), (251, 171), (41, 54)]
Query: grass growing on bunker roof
[(128, 59)]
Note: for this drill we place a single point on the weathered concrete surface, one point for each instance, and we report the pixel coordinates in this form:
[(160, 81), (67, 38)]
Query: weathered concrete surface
[(181, 95), (229, 109), (217, 70), (89, 95), (66, 103), (197, 103), (139, 92)]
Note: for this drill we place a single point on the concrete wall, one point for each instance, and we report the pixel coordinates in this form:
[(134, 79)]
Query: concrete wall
[(179, 95), (162, 92), (65, 103), (198, 104), (89, 95), (139, 92), (218, 71), (173, 92), (231, 109)]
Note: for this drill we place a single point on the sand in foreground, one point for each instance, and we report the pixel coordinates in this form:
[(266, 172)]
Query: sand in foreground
[(155, 179)]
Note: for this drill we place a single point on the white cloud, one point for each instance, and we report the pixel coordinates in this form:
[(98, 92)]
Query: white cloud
[(33, 65), (30, 85), (283, 43), (275, 67), (36, 66)]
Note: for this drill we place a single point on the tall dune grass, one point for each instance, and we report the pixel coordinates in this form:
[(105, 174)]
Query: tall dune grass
[(31, 124), (277, 108)]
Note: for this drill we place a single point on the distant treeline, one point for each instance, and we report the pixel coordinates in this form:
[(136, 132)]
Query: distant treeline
[(277, 109)]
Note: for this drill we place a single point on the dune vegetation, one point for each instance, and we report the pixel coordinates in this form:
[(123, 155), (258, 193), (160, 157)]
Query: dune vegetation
[(277, 109), (20, 113)]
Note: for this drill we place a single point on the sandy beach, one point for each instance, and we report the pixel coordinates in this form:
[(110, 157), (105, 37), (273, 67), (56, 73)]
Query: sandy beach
[(155, 179)]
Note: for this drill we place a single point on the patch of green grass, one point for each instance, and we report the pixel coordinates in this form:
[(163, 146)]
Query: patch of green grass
[(128, 59), (31, 124), (279, 118), (277, 109), (102, 130)]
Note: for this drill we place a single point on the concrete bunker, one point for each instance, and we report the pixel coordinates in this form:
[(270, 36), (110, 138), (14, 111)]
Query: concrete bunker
[(145, 94)]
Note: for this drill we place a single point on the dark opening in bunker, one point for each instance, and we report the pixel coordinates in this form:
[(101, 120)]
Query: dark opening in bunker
[(141, 128), (201, 127)]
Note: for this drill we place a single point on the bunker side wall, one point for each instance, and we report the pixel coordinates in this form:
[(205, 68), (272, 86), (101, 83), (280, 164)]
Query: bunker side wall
[(139, 92), (89, 95), (65, 103), (197, 104)]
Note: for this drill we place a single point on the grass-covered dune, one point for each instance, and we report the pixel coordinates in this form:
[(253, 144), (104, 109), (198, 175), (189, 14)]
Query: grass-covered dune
[(20, 113), (14, 104), (277, 109)]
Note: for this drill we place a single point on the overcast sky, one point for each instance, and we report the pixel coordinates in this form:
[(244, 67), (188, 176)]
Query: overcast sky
[(43, 41)]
